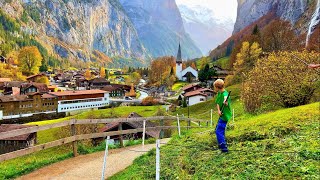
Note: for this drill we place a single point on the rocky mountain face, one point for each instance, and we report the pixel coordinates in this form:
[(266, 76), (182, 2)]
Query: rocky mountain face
[(204, 27), (160, 27), (251, 10), (73, 28)]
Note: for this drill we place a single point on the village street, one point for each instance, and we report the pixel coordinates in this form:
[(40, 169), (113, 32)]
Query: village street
[(89, 167)]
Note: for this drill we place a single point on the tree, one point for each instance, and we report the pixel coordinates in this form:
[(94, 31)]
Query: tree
[(193, 65), (87, 74), (278, 80), (160, 70), (30, 59), (279, 36), (102, 72), (246, 58), (255, 30), (43, 80)]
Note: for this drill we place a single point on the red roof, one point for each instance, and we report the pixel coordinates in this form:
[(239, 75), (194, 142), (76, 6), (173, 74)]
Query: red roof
[(74, 93), (11, 127), (14, 98), (190, 86), (194, 93)]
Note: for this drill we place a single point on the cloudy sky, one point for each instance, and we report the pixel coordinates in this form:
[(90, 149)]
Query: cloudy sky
[(225, 9)]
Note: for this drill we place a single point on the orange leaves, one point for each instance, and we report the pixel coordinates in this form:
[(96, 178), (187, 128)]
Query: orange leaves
[(30, 59)]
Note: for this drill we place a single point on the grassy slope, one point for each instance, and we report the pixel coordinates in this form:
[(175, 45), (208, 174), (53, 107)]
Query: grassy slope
[(261, 147), (223, 62), (22, 165)]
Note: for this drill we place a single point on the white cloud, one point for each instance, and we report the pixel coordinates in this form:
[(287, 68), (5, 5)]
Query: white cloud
[(224, 9)]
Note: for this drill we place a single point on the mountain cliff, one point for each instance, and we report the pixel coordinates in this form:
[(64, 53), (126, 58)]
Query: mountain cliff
[(250, 11), (160, 27), (73, 29)]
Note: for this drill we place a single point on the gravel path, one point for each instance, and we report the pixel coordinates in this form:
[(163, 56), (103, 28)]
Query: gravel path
[(90, 166)]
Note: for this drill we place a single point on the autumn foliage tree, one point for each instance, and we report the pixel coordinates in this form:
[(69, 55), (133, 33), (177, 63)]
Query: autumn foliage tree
[(280, 80), (102, 72), (87, 74), (43, 80), (246, 59), (30, 60), (160, 71)]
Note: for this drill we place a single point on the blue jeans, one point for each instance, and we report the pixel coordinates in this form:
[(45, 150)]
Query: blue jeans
[(221, 132)]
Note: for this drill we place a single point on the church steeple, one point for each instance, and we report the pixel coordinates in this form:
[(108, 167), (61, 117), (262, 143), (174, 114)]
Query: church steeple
[(179, 58)]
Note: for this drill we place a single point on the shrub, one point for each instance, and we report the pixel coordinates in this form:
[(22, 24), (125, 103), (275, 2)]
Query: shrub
[(149, 101), (280, 80)]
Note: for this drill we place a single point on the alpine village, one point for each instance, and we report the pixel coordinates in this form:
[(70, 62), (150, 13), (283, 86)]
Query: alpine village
[(159, 89)]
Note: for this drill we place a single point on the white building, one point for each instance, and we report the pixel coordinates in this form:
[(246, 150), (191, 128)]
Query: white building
[(183, 74), (195, 97), (80, 100)]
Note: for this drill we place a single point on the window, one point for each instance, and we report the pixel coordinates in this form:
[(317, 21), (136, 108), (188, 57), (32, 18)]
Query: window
[(202, 99)]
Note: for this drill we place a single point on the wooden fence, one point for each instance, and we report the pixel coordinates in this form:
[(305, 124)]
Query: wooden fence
[(74, 138)]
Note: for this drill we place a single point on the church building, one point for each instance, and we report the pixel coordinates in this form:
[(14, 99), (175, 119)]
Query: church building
[(187, 74)]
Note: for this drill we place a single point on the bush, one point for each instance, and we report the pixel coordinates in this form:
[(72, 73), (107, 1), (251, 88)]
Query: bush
[(281, 80), (149, 101)]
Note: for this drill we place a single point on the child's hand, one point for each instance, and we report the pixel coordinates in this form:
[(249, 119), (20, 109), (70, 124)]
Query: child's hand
[(220, 113), (225, 103)]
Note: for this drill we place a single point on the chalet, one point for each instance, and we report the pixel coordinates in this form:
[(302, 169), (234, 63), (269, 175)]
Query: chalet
[(34, 78), (27, 105), (79, 100), (115, 91), (221, 73), (12, 87), (32, 87), (132, 125), (2, 81), (191, 87), (18, 142), (195, 97), (98, 83), (82, 84)]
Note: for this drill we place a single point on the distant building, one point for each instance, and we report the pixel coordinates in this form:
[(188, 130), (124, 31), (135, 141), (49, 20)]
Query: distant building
[(98, 83), (221, 73), (115, 91), (18, 142), (32, 87), (196, 95), (27, 105), (79, 100), (191, 87), (184, 74), (34, 78), (12, 87)]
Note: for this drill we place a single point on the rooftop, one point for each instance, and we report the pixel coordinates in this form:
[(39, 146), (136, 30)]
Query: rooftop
[(11, 127), (194, 93), (14, 98), (74, 93)]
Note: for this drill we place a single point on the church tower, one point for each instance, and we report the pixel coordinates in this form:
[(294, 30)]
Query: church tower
[(179, 64)]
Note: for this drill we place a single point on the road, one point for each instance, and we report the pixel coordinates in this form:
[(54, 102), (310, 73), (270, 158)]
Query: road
[(89, 167)]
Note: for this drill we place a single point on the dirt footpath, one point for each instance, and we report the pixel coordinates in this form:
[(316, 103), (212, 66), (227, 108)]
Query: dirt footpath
[(90, 166)]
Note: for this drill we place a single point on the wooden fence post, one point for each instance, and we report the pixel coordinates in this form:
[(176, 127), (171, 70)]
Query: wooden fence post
[(161, 131), (120, 136), (74, 143)]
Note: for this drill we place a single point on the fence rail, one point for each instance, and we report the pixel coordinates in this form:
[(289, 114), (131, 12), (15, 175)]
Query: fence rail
[(74, 138)]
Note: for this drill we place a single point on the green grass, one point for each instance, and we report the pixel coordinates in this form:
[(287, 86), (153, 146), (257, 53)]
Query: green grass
[(277, 145), (223, 62), (178, 85), (25, 164)]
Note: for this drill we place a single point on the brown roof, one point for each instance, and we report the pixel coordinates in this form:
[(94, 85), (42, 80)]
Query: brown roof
[(47, 96), (41, 74), (205, 89), (13, 84), (110, 88), (14, 98), (189, 86), (5, 79), (99, 80), (40, 86), (11, 127), (152, 133), (194, 93), (73, 93)]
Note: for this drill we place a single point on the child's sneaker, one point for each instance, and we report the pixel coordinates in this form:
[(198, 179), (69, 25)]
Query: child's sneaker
[(223, 148)]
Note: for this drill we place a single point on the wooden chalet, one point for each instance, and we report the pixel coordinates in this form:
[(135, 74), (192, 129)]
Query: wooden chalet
[(16, 143), (34, 78), (32, 87)]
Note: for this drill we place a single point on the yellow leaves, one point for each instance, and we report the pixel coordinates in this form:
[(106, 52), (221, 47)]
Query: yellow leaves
[(30, 59), (102, 72), (43, 80), (87, 74)]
